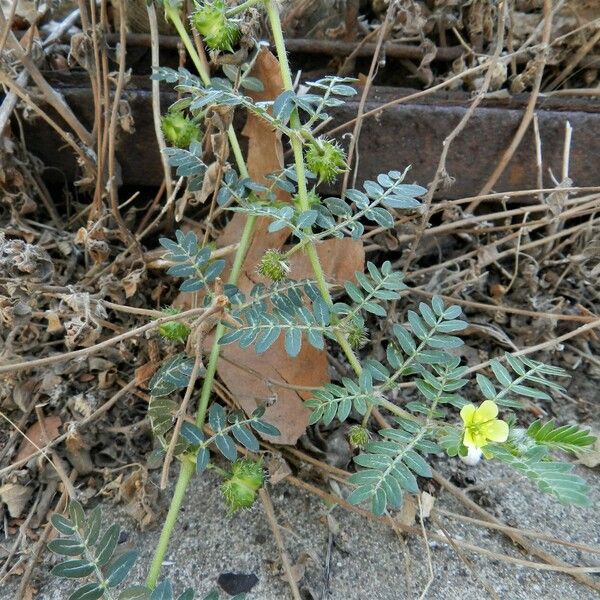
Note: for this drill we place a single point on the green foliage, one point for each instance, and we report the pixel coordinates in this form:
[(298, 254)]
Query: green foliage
[(282, 309), (191, 261), (568, 437), (176, 331), (526, 371), (210, 20), (554, 478), (240, 488), (90, 553), (390, 466)]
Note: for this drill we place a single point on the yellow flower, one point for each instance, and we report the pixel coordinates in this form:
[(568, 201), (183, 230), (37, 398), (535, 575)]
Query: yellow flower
[(482, 426)]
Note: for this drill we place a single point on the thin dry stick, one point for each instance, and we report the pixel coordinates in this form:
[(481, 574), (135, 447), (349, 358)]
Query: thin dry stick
[(23, 95), (41, 543), (427, 550), (559, 567), (112, 133), (516, 530), (10, 100), (544, 345), (285, 559), (219, 303), (56, 461), (440, 172), (528, 115), (7, 26), (41, 362), (575, 60), (383, 31), (465, 560), (156, 113), (505, 309), (517, 538), (51, 96)]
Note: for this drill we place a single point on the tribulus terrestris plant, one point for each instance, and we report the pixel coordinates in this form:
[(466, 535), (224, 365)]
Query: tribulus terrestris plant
[(309, 311)]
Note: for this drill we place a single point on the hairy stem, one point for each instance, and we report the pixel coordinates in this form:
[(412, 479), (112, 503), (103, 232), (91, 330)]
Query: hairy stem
[(240, 8), (296, 144), (187, 468), (185, 474)]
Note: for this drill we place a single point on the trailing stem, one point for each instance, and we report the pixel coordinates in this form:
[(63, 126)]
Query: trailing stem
[(296, 144), (187, 468)]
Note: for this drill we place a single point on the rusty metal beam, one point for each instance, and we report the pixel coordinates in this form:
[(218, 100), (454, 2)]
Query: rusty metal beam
[(406, 134)]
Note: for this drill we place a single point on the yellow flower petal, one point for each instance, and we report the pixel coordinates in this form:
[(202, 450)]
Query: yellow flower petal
[(487, 411), (468, 440), (467, 412), (496, 430)]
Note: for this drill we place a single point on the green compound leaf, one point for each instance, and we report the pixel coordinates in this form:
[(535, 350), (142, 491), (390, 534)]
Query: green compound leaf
[(89, 591), (62, 524), (66, 547), (554, 478), (192, 434), (120, 567), (135, 592), (202, 459), (390, 464), (568, 437), (173, 375), (163, 591), (107, 545), (73, 569)]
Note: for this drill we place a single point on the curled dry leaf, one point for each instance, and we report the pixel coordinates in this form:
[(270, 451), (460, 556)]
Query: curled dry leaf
[(35, 437), (15, 496)]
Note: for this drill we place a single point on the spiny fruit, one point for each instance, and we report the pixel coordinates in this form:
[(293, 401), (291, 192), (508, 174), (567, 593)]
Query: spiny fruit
[(219, 32)]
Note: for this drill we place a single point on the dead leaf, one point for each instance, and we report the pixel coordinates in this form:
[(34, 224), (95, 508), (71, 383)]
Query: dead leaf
[(248, 376), (590, 457), (36, 435), (427, 502), (408, 512), (340, 259), (278, 469), (15, 496)]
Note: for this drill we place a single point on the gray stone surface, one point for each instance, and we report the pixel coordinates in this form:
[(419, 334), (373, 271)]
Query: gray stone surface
[(368, 561)]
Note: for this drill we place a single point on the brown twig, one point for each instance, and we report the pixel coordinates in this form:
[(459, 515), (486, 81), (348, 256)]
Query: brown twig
[(383, 31), (156, 112), (528, 114), (97, 413), (285, 559), (440, 172), (41, 362)]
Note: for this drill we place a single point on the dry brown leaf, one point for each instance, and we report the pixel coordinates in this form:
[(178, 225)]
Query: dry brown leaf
[(246, 374), (340, 259), (15, 496), (36, 435)]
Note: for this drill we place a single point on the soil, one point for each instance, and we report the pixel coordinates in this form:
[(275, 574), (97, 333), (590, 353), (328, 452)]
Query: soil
[(367, 560)]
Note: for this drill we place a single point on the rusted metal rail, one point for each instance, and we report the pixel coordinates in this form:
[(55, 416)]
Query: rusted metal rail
[(408, 133)]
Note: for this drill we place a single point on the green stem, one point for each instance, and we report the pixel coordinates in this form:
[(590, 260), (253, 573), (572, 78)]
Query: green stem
[(311, 251), (236, 10), (187, 467), (185, 474)]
